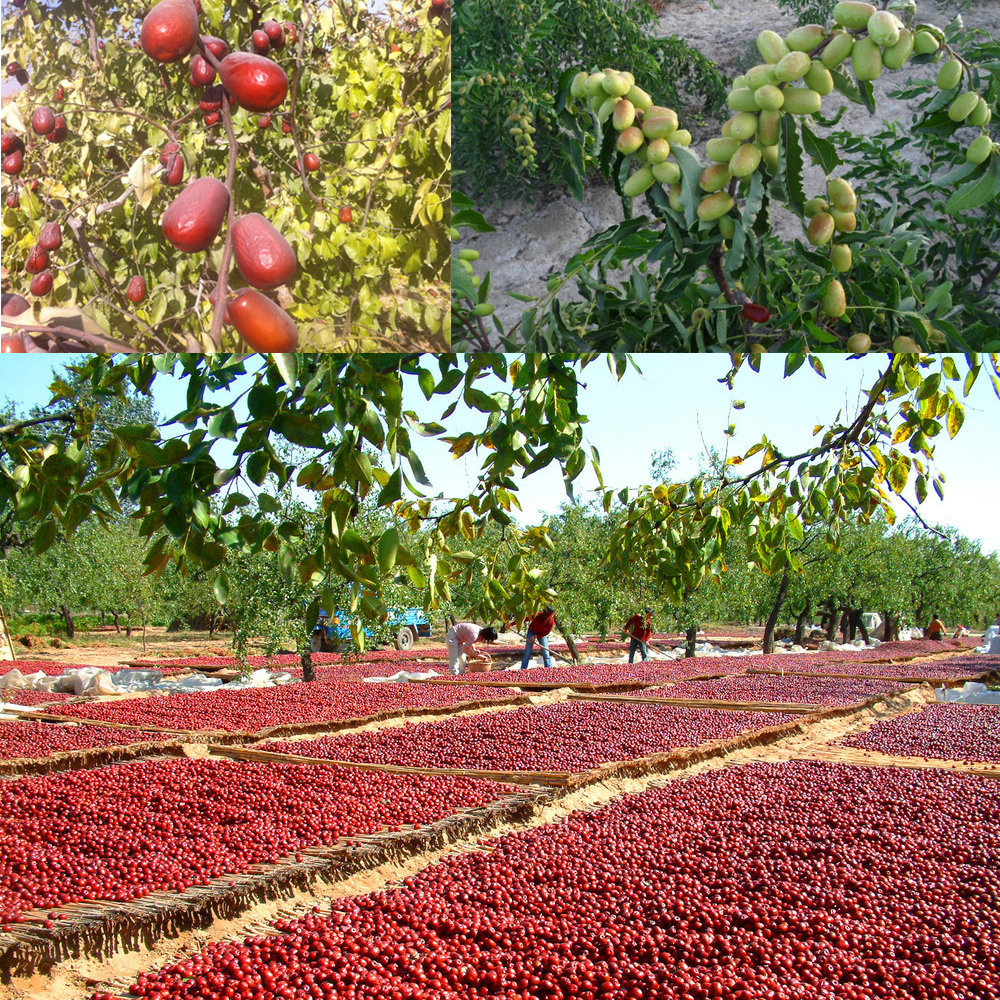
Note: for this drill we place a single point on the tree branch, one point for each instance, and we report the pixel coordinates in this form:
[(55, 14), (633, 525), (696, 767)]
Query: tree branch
[(21, 424)]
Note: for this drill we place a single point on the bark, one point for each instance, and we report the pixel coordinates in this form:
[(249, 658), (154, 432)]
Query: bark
[(772, 618), (800, 623), (845, 622), (118, 629), (68, 618), (690, 637), (831, 622), (308, 671), (449, 622), (565, 633), (861, 626)]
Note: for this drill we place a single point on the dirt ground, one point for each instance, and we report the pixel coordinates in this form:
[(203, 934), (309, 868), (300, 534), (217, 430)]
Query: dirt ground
[(533, 240)]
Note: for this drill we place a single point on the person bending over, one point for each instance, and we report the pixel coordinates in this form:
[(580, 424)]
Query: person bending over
[(463, 653)]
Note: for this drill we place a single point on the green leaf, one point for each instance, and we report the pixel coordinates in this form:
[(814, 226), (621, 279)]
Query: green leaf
[(977, 193), (45, 536), (221, 588), (288, 367), (392, 491)]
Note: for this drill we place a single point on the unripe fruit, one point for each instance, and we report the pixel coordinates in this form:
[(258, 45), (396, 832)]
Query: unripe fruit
[(202, 71), (757, 77), (699, 315), (38, 260), (463, 254), (799, 101), (906, 345), (837, 51), (835, 301), (821, 229), (792, 67), (981, 115), (859, 343), (845, 222), (41, 284), (769, 98), (979, 150), (866, 59), (261, 43), (771, 46), (682, 137), (659, 123), (256, 83), (739, 81), (715, 177), (345, 215), (13, 344), (136, 290), (658, 151), (642, 180), (193, 219), (674, 196), (607, 108), (263, 324), (842, 258), (852, 14), (743, 99), (897, 56), (745, 161), (727, 227), (578, 87), (50, 236), (841, 194), (624, 115), (771, 155), (630, 140), (743, 126), (483, 309), (170, 31), (594, 85), (949, 75), (884, 28), (806, 37), (963, 106), (615, 85), (925, 44), (641, 155), (769, 128), (715, 206), (819, 79), (14, 163), (639, 98), (666, 172), (721, 150), (43, 121), (310, 161)]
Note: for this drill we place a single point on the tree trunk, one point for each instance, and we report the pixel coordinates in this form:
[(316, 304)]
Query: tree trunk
[(690, 637), (845, 619), (890, 627), (861, 626), (831, 622), (800, 623), (852, 624), (569, 641), (308, 671), (772, 618), (68, 618), (211, 626), (118, 629), (449, 622)]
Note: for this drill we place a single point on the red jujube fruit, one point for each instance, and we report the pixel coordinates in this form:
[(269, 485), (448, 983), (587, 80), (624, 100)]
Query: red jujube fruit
[(43, 120), (256, 83), (263, 324), (170, 31), (263, 255), (194, 217), (50, 236), (136, 289)]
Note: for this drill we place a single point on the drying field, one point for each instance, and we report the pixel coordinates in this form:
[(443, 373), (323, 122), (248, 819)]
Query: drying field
[(785, 827)]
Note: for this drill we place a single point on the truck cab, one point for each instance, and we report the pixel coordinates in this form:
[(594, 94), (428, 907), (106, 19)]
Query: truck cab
[(408, 623)]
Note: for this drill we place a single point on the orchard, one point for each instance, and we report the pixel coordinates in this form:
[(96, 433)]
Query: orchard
[(696, 265), (201, 176)]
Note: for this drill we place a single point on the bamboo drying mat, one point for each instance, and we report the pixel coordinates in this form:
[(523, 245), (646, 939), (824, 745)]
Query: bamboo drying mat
[(935, 681), (836, 753)]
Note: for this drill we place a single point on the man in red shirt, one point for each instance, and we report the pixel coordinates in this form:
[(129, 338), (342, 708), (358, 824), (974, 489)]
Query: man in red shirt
[(639, 631), (539, 628)]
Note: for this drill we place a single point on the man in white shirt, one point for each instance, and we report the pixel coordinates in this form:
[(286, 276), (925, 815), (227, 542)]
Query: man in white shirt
[(463, 654)]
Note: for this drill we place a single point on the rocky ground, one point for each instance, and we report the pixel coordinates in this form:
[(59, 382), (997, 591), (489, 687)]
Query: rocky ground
[(534, 240)]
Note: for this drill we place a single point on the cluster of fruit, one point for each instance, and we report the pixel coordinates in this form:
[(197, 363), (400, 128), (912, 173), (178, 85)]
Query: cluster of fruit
[(769, 687), (945, 732), (29, 740), (122, 832), (571, 737), (785, 881), (836, 215), (522, 128)]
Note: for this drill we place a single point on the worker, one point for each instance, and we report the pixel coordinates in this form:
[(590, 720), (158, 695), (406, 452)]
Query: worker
[(463, 654), (936, 628), (639, 632), (539, 628)]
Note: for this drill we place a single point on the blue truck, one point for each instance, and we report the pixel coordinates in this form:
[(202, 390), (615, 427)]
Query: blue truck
[(409, 623)]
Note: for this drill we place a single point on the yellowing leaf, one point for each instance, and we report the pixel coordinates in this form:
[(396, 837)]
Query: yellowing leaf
[(141, 178), (956, 417)]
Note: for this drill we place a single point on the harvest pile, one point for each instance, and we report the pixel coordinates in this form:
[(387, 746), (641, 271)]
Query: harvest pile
[(121, 832), (769, 687), (950, 732), (254, 709), (561, 737), (788, 881), (38, 739)]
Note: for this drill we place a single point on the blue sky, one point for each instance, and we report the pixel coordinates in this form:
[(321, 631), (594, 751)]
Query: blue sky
[(676, 402)]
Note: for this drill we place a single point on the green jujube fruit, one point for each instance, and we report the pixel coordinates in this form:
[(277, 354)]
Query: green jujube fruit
[(639, 98), (771, 154), (630, 140), (837, 51), (666, 173), (859, 343), (799, 101), (578, 88), (842, 258), (792, 67), (769, 128), (761, 74), (866, 58), (883, 28), (743, 126), (745, 161), (674, 197), (949, 75), (814, 206), (835, 300), (738, 81), (658, 150), (715, 177), (624, 115), (821, 229), (595, 85), (682, 137), (979, 150), (769, 98), (805, 38), (963, 106), (772, 46), (596, 101), (727, 226), (925, 44), (897, 56), (844, 222), (852, 14), (641, 155), (659, 123), (819, 79), (483, 309), (715, 206), (615, 85), (721, 150), (642, 180), (841, 194), (743, 99), (607, 109), (981, 115)]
